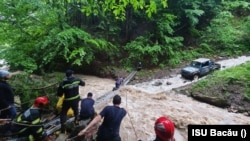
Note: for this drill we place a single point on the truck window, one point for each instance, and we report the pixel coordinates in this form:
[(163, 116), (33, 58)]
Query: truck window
[(195, 64), (205, 64)]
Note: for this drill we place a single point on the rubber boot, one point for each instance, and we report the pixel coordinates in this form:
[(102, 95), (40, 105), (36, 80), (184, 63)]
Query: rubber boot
[(63, 128)]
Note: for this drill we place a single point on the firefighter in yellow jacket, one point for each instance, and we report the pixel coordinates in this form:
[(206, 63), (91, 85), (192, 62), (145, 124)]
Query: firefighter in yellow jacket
[(69, 87), (29, 124)]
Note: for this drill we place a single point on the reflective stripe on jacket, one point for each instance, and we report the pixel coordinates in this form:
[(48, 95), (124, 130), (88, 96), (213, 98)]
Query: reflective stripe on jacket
[(30, 117), (70, 88)]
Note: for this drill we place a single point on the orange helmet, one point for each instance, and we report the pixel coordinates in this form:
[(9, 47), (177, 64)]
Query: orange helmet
[(164, 129), (41, 101)]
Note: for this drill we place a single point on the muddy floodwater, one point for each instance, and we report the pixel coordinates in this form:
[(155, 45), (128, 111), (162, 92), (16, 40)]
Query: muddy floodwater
[(146, 102)]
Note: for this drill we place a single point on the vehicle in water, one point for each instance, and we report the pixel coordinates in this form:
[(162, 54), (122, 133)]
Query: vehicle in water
[(198, 68)]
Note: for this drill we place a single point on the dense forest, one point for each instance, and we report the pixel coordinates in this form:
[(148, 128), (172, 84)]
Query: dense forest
[(96, 36)]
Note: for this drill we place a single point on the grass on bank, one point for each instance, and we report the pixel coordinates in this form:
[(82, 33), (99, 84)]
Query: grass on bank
[(220, 82)]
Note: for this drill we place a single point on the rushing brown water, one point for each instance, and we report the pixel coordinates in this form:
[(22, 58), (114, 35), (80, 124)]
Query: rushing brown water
[(144, 108), (146, 102)]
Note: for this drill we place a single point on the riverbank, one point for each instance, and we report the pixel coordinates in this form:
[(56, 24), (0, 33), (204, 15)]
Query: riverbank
[(147, 101), (145, 107)]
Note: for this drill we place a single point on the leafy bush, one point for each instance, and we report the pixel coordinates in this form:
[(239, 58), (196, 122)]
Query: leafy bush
[(28, 86)]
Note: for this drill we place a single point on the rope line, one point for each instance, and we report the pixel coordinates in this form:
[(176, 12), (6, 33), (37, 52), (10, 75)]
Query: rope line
[(27, 124), (130, 119), (132, 126), (5, 109), (40, 88)]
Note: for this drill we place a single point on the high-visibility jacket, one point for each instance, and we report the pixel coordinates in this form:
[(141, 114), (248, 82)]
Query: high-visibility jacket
[(69, 87), (29, 124)]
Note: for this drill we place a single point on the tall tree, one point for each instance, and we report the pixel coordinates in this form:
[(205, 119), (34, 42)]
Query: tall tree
[(38, 35)]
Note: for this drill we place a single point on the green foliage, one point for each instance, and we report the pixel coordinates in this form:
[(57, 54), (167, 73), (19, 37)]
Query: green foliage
[(238, 75), (19, 59), (40, 36), (230, 31), (205, 48), (140, 50), (239, 7), (24, 23), (246, 36), (165, 25), (247, 95), (154, 54), (199, 87), (171, 50), (118, 8), (28, 87), (168, 45), (46, 35), (189, 55), (74, 45), (191, 12), (193, 15), (226, 34)]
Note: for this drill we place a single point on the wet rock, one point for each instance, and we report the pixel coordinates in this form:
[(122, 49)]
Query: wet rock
[(157, 83), (172, 75), (168, 83), (185, 81), (241, 109), (232, 110), (136, 77)]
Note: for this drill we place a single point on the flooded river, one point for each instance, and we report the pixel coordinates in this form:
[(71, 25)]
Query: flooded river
[(145, 102)]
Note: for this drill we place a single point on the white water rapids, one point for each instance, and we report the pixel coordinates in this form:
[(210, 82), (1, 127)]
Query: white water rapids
[(145, 102)]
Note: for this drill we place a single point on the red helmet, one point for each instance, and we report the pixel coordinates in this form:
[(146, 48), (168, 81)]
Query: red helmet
[(164, 129), (41, 102)]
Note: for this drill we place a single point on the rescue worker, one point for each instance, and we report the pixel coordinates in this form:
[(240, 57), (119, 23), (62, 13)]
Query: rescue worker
[(112, 117), (7, 106), (87, 107), (139, 66), (70, 88), (118, 82), (164, 129), (29, 124)]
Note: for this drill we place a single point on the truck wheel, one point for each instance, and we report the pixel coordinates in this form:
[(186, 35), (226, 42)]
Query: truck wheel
[(218, 66), (195, 78)]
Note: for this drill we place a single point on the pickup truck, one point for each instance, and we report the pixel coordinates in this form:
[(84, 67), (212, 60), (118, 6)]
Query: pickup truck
[(198, 68)]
